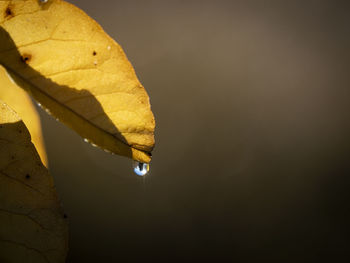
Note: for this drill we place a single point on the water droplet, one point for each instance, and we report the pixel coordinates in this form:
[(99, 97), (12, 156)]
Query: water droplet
[(48, 111), (109, 47), (141, 169), (95, 62), (43, 1), (93, 145), (39, 104), (86, 140)]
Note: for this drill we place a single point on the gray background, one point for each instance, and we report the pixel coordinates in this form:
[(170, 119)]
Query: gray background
[(251, 100)]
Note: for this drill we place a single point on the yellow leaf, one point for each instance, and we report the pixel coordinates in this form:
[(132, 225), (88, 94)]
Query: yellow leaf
[(68, 63), (33, 227), (19, 100)]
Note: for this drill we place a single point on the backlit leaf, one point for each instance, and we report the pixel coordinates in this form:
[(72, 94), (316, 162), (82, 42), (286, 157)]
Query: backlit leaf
[(20, 102), (33, 227), (74, 69)]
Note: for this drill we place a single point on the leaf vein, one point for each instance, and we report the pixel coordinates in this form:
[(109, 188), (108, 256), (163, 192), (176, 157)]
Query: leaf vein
[(41, 253), (19, 181), (26, 215)]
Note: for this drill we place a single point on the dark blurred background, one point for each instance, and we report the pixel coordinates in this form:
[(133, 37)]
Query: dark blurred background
[(251, 100)]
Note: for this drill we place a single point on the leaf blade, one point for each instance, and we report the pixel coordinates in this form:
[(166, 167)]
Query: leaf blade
[(92, 69), (19, 100), (32, 223)]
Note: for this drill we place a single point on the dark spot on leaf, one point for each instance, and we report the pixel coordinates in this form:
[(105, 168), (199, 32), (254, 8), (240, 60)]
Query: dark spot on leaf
[(65, 216), (8, 12), (26, 58), (27, 176), (12, 157), (94, 53), (19, 131)]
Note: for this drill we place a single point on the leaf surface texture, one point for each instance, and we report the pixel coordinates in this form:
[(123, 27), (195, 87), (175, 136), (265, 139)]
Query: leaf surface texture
[(33, 227)]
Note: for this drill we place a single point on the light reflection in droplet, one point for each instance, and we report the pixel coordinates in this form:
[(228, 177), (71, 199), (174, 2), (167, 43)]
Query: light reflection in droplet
[(141, 169)]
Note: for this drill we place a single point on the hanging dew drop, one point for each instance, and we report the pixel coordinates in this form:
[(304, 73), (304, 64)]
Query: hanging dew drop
[(141, 169), (86, 140)]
